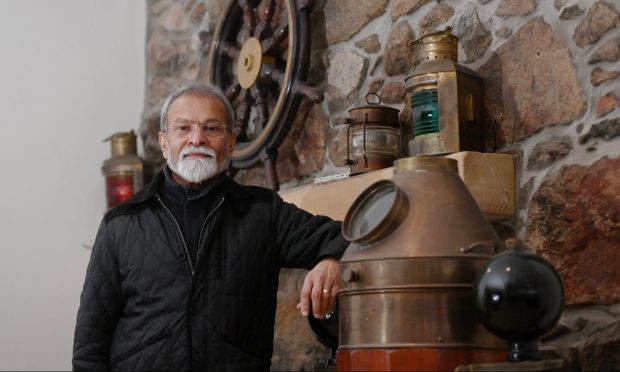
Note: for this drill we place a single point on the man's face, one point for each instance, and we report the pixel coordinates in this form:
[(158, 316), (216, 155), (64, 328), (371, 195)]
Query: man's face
[(192, 154)]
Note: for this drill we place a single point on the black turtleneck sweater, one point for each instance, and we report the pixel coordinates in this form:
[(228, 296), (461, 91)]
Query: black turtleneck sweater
[(190, 206)]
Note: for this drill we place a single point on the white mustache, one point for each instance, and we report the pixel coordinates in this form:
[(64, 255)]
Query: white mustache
[(197, 150)]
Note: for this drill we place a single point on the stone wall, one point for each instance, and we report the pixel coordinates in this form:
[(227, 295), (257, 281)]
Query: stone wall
[(550, 68)]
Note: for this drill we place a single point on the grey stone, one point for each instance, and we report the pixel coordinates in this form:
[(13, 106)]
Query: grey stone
[(375, 85), (378, 62), (369, 44), (524, 193), (608, 52), (398, 55), (344, 18), (509, 8), (393, 92), (504, 32), (600, 75), (605, 130), (592, 340), (474, 38), (573, 223), (601, 17), (571, 12), (548, 151), (338, 147), (346, 72), (403, 7), (559, 4), (197, 13), (294, 344), (554, 97), (311, 146), (211, 17), (158, 6), (174, 19), (441, 13), (606, 104)]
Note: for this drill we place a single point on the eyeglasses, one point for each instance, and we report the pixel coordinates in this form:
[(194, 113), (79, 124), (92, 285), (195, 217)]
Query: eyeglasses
[(211, 130)]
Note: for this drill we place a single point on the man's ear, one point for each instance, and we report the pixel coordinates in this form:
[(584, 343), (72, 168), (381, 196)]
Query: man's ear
[(232, 141), (163, 143)]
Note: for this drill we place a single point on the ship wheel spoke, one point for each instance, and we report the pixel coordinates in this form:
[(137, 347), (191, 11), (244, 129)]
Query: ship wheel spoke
[(278, 36), (264, 26), (273, 73), (249, 19), (304, 5), (260, 104), (232, 92), (243, 116), (230, 50)]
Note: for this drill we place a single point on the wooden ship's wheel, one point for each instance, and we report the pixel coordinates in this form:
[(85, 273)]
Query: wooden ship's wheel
[(260, 57)]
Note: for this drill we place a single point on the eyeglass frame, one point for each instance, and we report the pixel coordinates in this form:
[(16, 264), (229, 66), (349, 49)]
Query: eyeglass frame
[(202, 127)]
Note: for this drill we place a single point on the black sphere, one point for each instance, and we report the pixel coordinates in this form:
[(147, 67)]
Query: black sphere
[(519, 296), (326, 330)]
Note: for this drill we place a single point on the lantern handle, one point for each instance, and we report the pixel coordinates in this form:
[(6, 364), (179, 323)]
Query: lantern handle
[(373, 94), (365, 121), (348, 161)]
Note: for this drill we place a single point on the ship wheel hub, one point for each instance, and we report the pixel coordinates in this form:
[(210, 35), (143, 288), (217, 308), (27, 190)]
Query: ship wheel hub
[(249, 64)]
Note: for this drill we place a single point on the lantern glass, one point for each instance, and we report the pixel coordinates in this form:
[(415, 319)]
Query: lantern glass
[(375, 213), (380, 140), (425, 112)]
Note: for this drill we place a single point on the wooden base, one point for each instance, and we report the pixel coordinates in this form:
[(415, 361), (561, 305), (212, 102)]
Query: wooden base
[(415, 359)]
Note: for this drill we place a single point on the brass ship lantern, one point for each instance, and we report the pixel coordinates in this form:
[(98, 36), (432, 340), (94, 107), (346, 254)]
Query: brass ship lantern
[(373, 136), (418, 242), (123, 171), (446, 99)]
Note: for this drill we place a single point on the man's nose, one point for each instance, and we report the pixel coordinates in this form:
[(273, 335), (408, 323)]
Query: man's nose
[(197, 136)]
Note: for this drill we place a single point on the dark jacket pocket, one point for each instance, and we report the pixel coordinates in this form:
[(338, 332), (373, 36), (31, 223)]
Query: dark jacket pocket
[(153, 355)]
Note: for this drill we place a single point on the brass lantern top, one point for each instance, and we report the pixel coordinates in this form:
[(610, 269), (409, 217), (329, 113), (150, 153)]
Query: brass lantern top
[(124, 155), (436, 52), (123, 143), (373, 113), (438, 45)]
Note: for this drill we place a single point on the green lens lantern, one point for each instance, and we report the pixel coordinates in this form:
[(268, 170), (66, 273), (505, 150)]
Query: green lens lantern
[(425, 113), (446, 99)]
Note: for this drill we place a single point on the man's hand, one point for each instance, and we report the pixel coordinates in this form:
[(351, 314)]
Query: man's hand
[(320, 288)]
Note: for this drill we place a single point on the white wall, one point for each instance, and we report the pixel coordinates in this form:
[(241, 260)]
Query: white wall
[(71, 74)]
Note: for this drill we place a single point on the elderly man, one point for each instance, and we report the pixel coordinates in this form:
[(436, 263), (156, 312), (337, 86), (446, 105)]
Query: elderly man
[(184, 276)]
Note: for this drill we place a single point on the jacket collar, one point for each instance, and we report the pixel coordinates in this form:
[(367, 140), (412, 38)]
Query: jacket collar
[(237, 194)]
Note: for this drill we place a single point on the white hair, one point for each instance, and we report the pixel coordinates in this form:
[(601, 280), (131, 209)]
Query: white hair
[(197, 89)]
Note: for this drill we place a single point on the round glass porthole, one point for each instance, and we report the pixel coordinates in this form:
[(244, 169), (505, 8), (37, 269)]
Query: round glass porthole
[(375, 213)]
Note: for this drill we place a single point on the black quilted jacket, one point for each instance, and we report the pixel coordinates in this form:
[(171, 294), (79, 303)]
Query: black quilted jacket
[(144, 306)]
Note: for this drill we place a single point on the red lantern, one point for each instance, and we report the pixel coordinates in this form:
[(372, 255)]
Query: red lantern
[(124, 170)]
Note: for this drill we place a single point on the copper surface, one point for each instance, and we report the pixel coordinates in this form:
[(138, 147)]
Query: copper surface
[(413, 359), (395, 216), (373, 137), (412, 288)]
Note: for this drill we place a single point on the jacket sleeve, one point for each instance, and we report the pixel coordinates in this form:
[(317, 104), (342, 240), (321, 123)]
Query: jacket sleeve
[(305, 239), (100, 306)]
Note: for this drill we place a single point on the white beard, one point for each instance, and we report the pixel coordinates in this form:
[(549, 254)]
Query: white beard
[(195, 170)]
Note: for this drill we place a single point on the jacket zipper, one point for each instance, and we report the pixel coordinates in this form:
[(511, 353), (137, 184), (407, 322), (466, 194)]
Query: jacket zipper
[(188, 259), (202, 229)]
